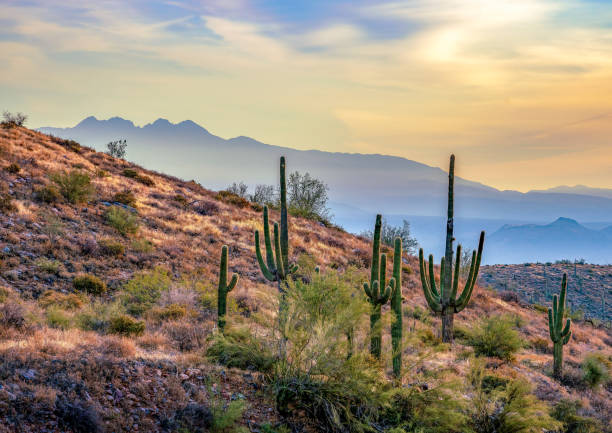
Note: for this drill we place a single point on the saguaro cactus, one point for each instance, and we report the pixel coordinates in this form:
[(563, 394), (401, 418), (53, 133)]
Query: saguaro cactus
[(444, 300), (377, 291), (276, 267), (559, 334), (224, 288), (396, 306)]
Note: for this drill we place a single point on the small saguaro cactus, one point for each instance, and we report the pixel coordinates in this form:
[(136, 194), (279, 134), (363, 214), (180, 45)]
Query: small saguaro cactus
[(276, 267), (444, 300), (224, 288), (396, 306), (559, 334), (377, 291)]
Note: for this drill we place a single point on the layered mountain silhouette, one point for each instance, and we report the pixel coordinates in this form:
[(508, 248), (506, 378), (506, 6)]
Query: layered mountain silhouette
[(563, 238), (360, 185)]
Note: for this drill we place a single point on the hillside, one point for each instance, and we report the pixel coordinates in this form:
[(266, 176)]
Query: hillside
[(65, 365), (589, 286), (564, 238)]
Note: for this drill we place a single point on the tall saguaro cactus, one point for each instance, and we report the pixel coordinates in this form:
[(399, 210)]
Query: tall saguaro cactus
[(559, 334), (444, 300), (377, 291), (396, 306), (276, 266), (224, 288)]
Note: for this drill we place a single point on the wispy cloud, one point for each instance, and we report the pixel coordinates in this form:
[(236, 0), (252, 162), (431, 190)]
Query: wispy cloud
[(494, 81)]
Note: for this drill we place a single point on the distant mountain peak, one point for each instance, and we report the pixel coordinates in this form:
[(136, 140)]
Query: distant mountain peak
[(565, 221)]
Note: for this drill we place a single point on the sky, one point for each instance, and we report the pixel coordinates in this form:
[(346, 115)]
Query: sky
[(519, 90)]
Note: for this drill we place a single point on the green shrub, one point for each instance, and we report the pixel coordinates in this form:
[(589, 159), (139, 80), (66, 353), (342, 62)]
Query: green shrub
[(52, 298), (110, 247), (75, 186), (595, 370), (90, 284), (566, 411), (142, 246), (171, 312), (48, 266), (509, 408), (95, 316), (437, 410), (181, 200), (540, 308), (125, 197), (337, 392), (144, 290), (126, 325), (225, 416), (13, 168), (495, 336), (133, 174), (6, 202), (122, 220), (48, 194), (238, 348), (57, 318), (231, 198), (4, 292)]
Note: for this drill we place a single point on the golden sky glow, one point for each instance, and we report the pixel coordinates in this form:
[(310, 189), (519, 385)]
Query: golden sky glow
[(520, 90)]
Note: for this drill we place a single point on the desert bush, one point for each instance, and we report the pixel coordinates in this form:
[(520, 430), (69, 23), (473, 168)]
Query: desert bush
[(144, 290), (142, 246), (12, 168), (96, 316), (238, 347), (57, 318), (6, 201), (206, 207), (122, 220), (4, 293), (231, 198), (12, 315), (509, 296), (181, 200), (509, 408), (47, 265), (541, 345), (337, 392), (48, 194), (264, 195), (240, 189), (307, 196), (117, 148), (133, 174), (185, 335), (119, 347), (170, 312), (126, 325), (90, 284), (595, 369), (12, 120), (226, 416), (51, 298), (496, 336), (566, 411), (75, 186), (126, 197), (439, 409), (110, 247)]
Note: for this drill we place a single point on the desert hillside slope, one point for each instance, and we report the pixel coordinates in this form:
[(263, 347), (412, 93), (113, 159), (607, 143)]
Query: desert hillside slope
[(66, 363)]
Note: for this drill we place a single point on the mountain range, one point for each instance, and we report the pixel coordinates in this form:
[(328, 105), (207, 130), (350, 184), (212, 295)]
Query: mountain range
[(360, 185)]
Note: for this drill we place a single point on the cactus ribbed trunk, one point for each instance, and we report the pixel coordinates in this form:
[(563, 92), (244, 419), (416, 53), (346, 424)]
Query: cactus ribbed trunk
[(447, 311), (558, 360), (396, 306), (375, 331)]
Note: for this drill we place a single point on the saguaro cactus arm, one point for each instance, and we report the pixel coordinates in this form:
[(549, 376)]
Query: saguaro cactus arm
[(224, 287), (464, 299), (267, 272)]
